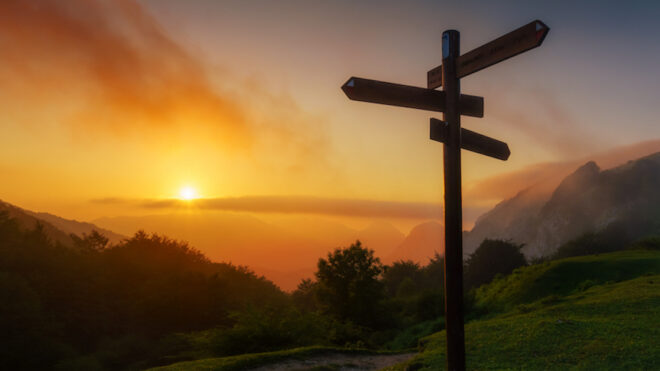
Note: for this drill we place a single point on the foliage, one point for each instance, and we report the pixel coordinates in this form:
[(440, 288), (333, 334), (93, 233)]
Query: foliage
[(402, 278), (648, 243), (349, 288), (409, 337), (270, 328), (492, 258), (614, 237), (94, 241), (113, 303)]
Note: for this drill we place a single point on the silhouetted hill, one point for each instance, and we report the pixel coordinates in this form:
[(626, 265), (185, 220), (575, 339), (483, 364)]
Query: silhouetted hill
[(421, 244), (382, 237), (588, 200), (73, 226), (26, 221), (56, 228)]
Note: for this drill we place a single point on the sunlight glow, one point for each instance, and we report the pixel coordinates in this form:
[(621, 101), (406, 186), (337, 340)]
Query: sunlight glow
[(187, 193)]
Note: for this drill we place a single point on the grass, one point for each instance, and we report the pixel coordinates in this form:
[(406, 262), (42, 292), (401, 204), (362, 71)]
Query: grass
[(598, 325)]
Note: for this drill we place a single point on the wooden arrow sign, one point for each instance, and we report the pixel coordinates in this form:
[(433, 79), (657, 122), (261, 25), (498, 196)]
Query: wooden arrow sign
[(373, 91), (515, 42), (472, 141)]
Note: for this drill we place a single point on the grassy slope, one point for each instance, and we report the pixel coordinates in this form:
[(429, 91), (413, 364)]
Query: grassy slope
[(570, 313)]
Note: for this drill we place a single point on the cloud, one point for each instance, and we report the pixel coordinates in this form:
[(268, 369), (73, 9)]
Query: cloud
[(539, 115), (294, 205), (109, 66), (116, 58)]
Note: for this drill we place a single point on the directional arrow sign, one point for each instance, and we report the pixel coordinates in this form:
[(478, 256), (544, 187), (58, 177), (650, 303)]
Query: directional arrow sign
[(373, 91), (472, 141), (515, 42)]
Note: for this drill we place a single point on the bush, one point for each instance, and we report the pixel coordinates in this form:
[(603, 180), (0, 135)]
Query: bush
[(648, 243), (267, 329), (491, 258), (614, 237)]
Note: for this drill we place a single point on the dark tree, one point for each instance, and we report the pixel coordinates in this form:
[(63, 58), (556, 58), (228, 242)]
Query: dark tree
[(402, 276), (491, 258), (348, 284), (94, 241)]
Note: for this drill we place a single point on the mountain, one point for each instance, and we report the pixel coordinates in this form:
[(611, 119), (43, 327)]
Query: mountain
[(27, 222), (56, 228), (421, 244), (588, 200), (78, 228), (383, 236)]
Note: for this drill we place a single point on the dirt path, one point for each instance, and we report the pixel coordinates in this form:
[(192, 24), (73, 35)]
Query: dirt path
[(338, 362)]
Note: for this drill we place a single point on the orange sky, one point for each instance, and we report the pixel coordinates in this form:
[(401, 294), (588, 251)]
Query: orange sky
[(128, 101)]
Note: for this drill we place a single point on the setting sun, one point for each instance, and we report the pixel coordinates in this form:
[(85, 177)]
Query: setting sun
[(187, 193)]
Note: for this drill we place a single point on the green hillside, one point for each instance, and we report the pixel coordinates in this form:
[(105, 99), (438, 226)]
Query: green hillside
[(562, 277), (590, 313)]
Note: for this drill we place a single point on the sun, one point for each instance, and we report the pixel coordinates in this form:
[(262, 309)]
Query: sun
[(187, 193)]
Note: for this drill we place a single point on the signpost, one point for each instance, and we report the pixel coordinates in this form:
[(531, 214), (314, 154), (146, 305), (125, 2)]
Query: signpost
[(515, 42), (453, 104)]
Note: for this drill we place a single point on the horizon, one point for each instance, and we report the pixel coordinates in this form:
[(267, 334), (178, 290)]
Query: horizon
[(150, 108)]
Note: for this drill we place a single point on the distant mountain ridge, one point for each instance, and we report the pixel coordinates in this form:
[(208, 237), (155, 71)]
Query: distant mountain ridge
[(422, 243), (588, 200), (76, 227), (56, 228)]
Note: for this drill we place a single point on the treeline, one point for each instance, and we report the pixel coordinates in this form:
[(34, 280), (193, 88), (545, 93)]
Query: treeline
[(111, 307), (150, 300)]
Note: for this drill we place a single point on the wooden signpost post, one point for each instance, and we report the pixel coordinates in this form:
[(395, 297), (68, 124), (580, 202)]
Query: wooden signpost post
[(453, 104)]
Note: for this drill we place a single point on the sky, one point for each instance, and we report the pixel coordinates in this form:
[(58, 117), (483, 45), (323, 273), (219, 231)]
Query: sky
[(112, 108)]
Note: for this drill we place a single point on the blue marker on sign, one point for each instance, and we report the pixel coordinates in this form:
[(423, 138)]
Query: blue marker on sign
[(445, 45)]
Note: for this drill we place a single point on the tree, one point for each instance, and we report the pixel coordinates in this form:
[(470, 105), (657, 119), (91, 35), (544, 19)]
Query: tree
[(402, 274), (94, 241), (348, 284), (491, 258)]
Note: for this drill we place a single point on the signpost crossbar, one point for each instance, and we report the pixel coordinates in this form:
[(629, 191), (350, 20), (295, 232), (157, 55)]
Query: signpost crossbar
[(471, 141), (374, 91)]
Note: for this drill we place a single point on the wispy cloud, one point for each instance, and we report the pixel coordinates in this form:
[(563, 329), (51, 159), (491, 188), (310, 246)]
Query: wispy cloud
[(544, 119), (294, 205), (108, 65)]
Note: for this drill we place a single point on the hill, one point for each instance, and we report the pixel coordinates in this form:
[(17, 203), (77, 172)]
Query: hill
[(27, 221), (421, 244), (56, 228), (73, 226), (588, 200), (594, 312)]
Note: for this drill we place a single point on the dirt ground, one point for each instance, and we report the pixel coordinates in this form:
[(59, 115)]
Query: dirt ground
[(338, 362)]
